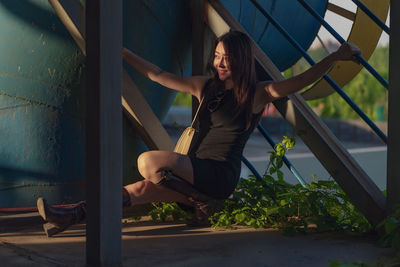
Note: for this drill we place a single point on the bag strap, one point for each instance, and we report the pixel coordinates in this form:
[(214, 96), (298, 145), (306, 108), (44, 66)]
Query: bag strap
[(201, 101), (197, 112)]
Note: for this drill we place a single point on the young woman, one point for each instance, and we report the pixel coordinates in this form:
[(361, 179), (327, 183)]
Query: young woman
[(232, 104)]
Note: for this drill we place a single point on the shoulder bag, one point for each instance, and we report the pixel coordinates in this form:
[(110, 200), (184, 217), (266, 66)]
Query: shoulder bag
[(183, 144)]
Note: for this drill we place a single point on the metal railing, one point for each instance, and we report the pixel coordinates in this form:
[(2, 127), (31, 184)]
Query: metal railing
[(251, 168), (368, 12), (326, 77)]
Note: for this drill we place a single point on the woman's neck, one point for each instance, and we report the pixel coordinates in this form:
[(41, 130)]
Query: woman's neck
[(228, 84)]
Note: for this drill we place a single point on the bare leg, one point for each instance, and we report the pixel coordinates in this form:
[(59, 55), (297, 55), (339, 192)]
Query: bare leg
[(152, 163), (145, 192)]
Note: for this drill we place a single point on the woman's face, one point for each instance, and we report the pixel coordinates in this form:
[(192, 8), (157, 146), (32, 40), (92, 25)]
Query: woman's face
[(221, 63)]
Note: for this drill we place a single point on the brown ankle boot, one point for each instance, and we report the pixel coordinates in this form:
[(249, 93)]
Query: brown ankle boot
[(59, 219), (203, 211)]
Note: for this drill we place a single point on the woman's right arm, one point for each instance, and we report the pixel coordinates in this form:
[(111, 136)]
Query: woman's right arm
[(274, 90), (192, 85)]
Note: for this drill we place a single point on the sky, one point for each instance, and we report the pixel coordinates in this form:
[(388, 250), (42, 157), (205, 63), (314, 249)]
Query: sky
[(343, 25)]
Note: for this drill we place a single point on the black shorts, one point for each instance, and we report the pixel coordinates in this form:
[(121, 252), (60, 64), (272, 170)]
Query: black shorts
[(217, 179)]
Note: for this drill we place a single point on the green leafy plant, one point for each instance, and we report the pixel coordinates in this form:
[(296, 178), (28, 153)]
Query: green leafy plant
[(276, 157), (272, 202), (164, 211), (391, 237), (391, 226)]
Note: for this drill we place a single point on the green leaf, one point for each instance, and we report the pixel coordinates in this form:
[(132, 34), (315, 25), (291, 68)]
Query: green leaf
[(396, 242), (279, 174), (270, 211), (391, 224), (240, 217)]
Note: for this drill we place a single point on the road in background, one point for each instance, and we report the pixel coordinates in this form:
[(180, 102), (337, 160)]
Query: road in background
[(371, 157)]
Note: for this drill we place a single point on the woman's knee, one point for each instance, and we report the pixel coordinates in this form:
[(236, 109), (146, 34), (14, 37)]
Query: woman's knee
[(150, 167), (144, 163), (152, 163)]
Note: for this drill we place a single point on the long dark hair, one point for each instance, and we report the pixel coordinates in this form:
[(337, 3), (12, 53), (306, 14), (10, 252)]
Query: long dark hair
[(240, 53)]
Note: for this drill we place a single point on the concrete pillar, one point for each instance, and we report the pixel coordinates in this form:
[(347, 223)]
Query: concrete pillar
[(104, 132), (393, 153)]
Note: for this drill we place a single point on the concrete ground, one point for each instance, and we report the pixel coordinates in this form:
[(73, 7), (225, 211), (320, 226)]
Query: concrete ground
[(22, 243)]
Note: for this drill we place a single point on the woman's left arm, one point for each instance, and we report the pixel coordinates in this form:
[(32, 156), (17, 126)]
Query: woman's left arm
[(275, 90)]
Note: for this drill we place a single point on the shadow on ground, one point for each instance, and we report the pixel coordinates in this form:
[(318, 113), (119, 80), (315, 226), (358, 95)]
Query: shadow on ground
[(23, 243)]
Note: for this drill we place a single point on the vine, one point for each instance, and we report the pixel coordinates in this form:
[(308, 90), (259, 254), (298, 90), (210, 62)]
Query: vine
[(272, 202)]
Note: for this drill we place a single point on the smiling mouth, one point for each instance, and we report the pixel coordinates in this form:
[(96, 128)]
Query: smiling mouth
[(222, 71)]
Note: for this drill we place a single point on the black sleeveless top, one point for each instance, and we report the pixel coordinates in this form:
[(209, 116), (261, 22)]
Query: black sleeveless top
[(221, 134)]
